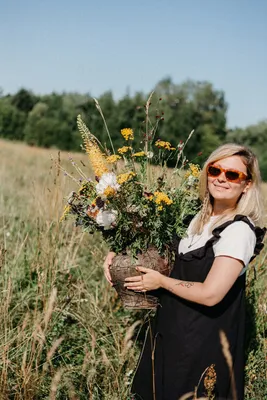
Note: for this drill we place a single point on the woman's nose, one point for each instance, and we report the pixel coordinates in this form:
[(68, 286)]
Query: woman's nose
[(221, 177)]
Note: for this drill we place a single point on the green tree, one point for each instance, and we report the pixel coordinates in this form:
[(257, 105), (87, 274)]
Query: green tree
[(12, 121)]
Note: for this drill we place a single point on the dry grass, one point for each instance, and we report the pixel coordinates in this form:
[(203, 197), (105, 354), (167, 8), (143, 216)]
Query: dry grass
[(62, 327)]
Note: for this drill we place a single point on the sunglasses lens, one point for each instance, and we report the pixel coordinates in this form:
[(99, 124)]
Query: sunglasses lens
[(232, 175), (214, 171)]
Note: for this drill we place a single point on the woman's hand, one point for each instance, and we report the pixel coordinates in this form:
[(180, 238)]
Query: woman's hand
[(147, 280), (107, 264)]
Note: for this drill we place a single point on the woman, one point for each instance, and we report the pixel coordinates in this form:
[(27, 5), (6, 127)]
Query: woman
[(205, 293)]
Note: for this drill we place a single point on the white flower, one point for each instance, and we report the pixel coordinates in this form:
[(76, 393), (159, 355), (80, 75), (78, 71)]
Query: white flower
[(106, 218), (190, 180), (150, 154), (107, 179)]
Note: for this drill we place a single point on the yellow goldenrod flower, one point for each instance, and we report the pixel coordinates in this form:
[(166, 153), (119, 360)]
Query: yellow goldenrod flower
[(122, 178), (161, 197), (109, 191), (160, 208), (113, 159), (127, 133), (65, 213), (139, 154), (96, 158), (163, 145), (95, 155), (124, 149)]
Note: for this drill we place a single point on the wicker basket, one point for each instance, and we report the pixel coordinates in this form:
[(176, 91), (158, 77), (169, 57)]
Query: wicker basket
[(123, 266)]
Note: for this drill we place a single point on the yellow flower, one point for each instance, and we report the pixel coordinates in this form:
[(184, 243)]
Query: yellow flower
[(194, 171), (139, 154), (96, 158), (173, 148), (124, 149), (164, 145), (95, 155), (113, 159), (127, 133), (160, 208), (109, 191), (162, 198), (122, 178), (65, 213)]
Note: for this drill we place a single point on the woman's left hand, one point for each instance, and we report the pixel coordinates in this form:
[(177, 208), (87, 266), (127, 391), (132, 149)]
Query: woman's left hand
[(147, 280)]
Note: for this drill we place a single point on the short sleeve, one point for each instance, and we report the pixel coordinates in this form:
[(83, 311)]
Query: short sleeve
[(237, 240)]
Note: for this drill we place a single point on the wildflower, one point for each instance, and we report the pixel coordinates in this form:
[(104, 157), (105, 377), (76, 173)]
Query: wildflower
[(194, 171), (124, 149), (164, 145), (150, 154), (160, 208), (96, 158), (109, 191), (113, 159), (92, 211), (122, 178), (127, 133), (161, 197), (106, 218), (139, 154), (107, 180), (65, 213)]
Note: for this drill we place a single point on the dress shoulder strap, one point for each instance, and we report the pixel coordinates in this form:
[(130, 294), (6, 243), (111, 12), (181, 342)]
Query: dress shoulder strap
[(259, 232)]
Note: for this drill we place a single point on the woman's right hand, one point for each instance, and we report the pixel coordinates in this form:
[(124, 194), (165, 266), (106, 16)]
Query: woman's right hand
[(107, 264)]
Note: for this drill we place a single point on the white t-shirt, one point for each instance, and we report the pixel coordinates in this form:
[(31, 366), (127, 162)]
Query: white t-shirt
[(236, 240)]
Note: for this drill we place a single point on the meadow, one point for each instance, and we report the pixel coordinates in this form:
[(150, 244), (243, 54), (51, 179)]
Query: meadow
[(64, 333)]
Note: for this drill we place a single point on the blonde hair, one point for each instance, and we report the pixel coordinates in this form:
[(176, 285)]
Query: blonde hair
[(249, 204)]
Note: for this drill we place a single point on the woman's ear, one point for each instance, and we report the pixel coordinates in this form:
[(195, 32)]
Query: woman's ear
[(247, 187)]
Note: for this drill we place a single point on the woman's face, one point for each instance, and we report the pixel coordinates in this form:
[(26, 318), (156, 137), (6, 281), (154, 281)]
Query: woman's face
[(223, 190)]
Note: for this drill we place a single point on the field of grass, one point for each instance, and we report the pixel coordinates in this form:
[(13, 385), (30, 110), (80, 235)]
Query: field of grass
[(64, 334)]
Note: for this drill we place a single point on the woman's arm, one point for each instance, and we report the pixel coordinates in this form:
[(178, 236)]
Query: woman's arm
[(222, 276)]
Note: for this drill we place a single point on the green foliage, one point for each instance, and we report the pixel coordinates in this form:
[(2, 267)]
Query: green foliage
[(49, 120), (12, 120), (254, 136)]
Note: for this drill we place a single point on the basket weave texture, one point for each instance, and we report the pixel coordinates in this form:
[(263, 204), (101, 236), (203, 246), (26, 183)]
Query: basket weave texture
[(124, 266)]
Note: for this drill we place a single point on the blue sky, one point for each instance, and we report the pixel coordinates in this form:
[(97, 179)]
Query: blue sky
[(95, 46)]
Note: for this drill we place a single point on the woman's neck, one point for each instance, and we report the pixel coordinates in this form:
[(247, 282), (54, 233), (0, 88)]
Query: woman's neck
[(220, 208)]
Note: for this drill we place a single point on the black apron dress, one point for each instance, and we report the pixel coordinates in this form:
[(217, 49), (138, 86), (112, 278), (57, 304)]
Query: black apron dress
[(185, 336)]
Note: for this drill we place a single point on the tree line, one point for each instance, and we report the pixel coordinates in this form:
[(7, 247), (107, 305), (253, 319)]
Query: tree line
[(50, 120)]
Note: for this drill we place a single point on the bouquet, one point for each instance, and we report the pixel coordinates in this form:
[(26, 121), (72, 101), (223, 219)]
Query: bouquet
[(132, 197)]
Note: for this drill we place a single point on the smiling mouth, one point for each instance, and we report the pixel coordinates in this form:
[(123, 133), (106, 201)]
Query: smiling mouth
[(220, 187)]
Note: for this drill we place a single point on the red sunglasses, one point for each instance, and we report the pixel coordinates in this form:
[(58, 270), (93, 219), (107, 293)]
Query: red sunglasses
[(232, 175)]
